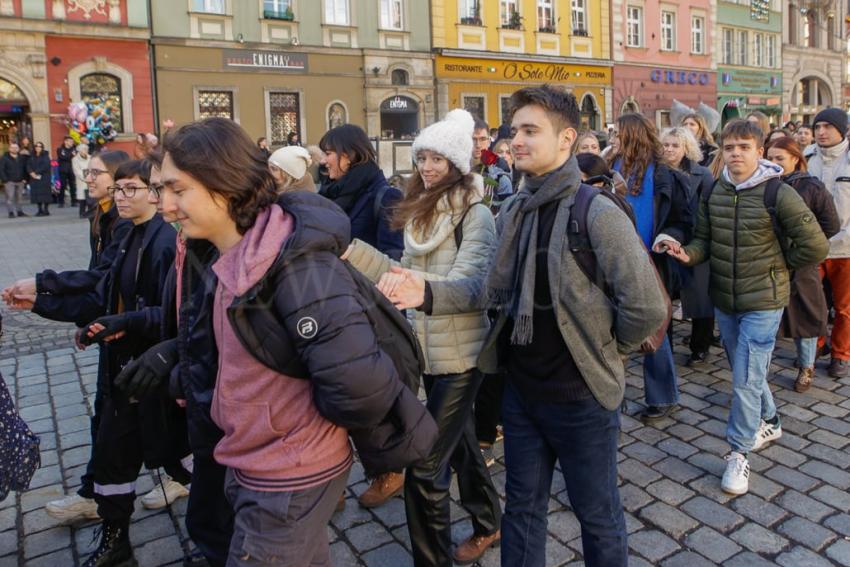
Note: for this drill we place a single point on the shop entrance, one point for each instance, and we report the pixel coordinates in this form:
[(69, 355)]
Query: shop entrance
[(589, 113), (14, 114), (399, 118)]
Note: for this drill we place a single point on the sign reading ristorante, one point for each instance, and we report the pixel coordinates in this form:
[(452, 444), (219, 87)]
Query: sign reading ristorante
[(253, 60), (521, 71)]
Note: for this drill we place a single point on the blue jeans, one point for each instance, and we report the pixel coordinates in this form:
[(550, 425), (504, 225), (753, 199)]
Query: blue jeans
[(661, 386), (807, 349), (749, 339), (582, 436)]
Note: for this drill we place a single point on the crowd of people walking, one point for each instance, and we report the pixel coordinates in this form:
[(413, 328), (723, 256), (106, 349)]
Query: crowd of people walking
[(265, 317)]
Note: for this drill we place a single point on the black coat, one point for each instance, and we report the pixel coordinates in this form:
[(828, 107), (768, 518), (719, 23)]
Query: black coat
[(673, 215), (806, 313), (694, 293), (41, 191), (355, 383), (194, 377), (13, 169), (104, 239), (64, 156)]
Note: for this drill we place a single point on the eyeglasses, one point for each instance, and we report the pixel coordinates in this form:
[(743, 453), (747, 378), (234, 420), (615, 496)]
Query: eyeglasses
[(129, 191), (93, 172), (156, 189)]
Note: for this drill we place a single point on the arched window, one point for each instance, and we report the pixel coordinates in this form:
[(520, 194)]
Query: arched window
[(400, 77), (105, 90), (589, 115)]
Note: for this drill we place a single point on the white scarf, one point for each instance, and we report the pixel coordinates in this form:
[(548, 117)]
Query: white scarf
[(448, 215)]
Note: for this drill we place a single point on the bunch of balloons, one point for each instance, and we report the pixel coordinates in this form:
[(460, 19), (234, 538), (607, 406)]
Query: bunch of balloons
[(91, 121)]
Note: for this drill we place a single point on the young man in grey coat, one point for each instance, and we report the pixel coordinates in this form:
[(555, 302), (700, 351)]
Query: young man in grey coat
[(560, 339)]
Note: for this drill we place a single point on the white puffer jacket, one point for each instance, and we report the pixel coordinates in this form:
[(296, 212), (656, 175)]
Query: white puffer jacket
[(832, 167), (450, 343)]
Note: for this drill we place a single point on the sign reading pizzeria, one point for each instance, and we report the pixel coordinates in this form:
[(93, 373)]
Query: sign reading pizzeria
[(253, 60)]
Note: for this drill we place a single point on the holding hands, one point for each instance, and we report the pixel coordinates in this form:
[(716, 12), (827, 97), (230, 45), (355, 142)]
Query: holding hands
[(20, 295), (404, 288), (671, 248)]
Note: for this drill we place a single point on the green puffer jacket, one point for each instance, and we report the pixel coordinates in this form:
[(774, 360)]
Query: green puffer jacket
[(735, 233)]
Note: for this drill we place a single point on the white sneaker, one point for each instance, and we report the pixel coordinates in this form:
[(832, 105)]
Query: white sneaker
[(766, 433), (72, 509), (736, 479), (156, 498)]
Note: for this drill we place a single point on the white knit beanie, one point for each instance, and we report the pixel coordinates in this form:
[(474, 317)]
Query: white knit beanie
[(451, 137), (294, 160)]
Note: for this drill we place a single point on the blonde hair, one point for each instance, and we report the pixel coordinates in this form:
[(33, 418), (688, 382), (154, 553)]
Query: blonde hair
[(582, 136), (687, 140)]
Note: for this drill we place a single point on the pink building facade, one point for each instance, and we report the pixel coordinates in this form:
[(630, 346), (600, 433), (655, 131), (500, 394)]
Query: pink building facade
[(663, 51)]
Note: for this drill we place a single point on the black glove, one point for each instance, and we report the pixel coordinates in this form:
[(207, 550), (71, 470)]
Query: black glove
[(142, 376), (112, 324)]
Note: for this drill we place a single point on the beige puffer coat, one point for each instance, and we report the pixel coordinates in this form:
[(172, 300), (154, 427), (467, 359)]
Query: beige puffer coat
[(450, 343)]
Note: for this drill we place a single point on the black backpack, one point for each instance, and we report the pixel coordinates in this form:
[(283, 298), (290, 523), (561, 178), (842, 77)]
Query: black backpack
[(579, 242), (771, 192)]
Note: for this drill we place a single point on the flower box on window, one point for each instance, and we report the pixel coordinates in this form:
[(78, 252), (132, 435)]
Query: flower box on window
[(581, 32), (287, 14), (471, 21), (547, 29)]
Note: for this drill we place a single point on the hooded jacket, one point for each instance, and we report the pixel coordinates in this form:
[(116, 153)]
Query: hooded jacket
[(735, 234), (274, 437), (832, 167)]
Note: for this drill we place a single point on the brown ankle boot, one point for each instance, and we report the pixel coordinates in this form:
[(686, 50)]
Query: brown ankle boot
[(472, 549), (804, 379), (383, 488)]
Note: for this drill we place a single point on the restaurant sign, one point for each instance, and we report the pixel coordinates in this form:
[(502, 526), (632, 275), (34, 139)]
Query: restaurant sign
[(521, 71)]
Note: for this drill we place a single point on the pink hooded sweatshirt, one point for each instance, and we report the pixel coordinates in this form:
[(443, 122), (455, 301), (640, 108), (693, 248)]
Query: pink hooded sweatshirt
[(274, 438)]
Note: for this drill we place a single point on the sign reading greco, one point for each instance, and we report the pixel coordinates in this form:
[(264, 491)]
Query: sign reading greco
[(254, 60)]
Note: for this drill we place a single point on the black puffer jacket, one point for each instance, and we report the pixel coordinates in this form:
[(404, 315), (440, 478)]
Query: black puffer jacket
[(355, 383)]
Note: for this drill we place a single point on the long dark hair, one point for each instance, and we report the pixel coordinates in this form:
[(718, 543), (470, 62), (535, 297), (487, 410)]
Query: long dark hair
[(419, 206), (219, 154), (639, 147)]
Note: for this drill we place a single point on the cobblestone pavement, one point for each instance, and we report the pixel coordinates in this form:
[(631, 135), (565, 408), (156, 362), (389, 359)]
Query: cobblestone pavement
[(796, 514)]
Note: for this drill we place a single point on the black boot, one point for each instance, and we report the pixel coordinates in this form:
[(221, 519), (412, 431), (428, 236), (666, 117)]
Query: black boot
[(114, 549)]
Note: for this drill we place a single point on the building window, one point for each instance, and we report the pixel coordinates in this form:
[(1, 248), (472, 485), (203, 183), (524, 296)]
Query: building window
[(278, 9), (215, 104), (475, 105), (391, 14), (589, 115), (578, 9), (770, 51), (400, 77), (728, 46), (504, 109), (810, 32), (470, 12), (758, 50), (284, 116), (830, 33), (545, 16), (668, 31), (634, 26), (792, 27), (336, 12), (106, 89), (209, 6), (697, 35), (743, 46), (509, 14)]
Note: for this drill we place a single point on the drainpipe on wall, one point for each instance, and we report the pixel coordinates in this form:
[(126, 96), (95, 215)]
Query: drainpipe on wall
[(152, 60)]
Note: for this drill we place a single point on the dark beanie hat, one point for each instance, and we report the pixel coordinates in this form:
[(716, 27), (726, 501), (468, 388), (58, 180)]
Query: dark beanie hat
[(834, 116)]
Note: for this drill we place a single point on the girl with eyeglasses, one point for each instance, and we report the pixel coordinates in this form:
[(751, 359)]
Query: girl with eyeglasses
[(38, 168)]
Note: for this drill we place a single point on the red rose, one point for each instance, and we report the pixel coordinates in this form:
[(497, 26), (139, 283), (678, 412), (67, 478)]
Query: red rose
[(489, 158)]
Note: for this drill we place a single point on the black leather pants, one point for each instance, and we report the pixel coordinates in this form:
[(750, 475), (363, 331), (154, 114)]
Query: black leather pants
[(426, 486)]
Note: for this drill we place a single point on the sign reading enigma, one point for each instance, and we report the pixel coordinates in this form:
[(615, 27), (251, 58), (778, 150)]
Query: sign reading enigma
[(252, 60)]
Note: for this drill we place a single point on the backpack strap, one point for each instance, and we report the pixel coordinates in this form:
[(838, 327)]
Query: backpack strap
[(706, 195), (459, 226), (578, 238), (771, 192), (379, 201)]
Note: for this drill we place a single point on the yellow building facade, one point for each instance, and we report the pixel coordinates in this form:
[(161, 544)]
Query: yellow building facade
[(487, 49)]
